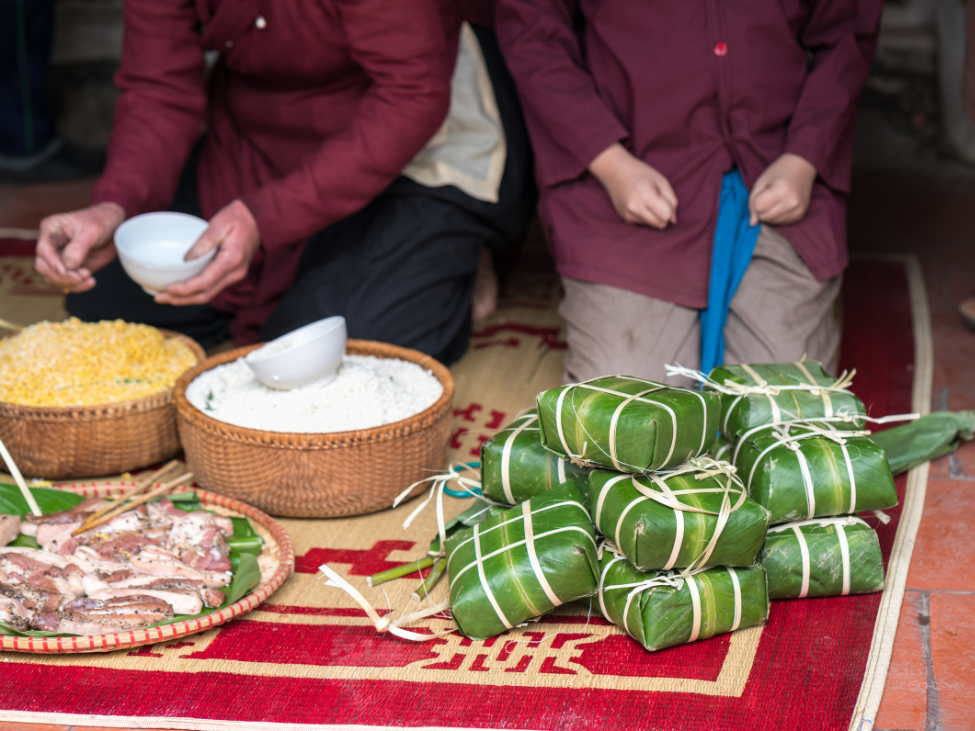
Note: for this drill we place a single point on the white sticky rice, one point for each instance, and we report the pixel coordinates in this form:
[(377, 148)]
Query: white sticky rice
[(367, 392)]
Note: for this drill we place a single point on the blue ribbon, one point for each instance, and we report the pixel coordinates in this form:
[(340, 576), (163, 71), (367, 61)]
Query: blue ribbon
[(734, 244)]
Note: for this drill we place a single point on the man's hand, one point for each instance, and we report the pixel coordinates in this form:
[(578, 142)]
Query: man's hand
[(781, 194), (72, 246), (235, 231), (640, 194)]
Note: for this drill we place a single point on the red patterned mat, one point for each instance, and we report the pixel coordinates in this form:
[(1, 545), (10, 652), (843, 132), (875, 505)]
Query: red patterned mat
[(309, 656)]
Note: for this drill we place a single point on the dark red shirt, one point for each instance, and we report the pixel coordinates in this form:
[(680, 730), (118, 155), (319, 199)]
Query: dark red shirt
[(694, 88), (312, 110)]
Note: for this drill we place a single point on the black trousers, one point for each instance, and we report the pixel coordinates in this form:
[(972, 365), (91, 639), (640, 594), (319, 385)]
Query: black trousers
[(401, 270), (26, 121)]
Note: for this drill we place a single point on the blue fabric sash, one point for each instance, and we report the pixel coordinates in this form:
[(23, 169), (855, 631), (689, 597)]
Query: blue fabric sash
[(734, 243)]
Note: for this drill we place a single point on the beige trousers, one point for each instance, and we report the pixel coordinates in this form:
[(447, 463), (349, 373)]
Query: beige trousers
[(779, 313)]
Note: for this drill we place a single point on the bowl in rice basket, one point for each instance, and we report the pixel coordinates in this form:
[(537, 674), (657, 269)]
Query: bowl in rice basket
[(64, 442), (317, 475)]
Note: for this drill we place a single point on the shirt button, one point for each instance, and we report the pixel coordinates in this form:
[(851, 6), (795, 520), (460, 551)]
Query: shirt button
[(260, 22), (720, 49), (230, 44)]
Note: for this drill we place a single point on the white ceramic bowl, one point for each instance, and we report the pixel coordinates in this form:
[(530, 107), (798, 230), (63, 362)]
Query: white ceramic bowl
[(151, 248), (308, 356)]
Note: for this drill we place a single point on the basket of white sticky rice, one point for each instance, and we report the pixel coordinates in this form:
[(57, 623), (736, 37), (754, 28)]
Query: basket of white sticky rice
[(346, 448)]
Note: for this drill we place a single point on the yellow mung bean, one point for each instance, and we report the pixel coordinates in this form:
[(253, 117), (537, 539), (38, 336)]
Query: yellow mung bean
[(74, 363)]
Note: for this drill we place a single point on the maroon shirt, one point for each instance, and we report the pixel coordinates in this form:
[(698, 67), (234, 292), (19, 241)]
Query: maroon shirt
[(694, 88), (307, 118)]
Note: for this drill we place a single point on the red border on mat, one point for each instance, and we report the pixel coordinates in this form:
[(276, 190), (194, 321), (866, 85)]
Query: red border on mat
[(807, 672), (17, 247)]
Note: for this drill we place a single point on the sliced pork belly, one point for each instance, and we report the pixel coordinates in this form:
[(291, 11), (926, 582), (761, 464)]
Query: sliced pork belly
[(9, 529), (117, 614), (77, 514), (90, 562), (42, 595), (198, 530), (47, 532), (14, 614), (23, 564), (75, 578), (158, 561), (118, 547), (183, 595), (164, 513)]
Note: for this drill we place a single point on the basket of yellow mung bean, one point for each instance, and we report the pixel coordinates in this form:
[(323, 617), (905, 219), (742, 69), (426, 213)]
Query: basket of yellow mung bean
[(89, 399)]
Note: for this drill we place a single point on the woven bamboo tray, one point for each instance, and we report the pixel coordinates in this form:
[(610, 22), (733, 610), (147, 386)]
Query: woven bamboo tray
[(61, 443), (317, 475), (277, 562)]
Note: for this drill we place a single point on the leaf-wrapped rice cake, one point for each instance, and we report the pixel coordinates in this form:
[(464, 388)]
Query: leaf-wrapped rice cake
[(802, 471), (662, 609), (515, 466), (627, 424), (827, 557), (522, 563), (721, 449), (772, 393), (676, 519)]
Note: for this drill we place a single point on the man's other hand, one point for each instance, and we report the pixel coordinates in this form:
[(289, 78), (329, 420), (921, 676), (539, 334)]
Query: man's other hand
[(72, 246)]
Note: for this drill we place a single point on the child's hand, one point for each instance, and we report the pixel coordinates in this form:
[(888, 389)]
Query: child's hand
[(640, 194), (781, 194)]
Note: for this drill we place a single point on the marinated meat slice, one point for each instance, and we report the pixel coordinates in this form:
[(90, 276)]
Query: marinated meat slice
[(90, 562), (75, 578), (45, 622), (199, 530), (164, 513), (78, 513), (205, 560), (133, 520), (58, 539), (117, 614), (185, 597), (39, 596), (154, 560), (14, 614), (29, 565), (35, 554), (175, 587), (46, 532), (119, 547), (9, 529)]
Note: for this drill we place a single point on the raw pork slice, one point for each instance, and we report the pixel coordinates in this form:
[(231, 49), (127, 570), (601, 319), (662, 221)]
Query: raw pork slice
[(154, 560), (14, 614), (183, 595), (9, 529), (106, 616)]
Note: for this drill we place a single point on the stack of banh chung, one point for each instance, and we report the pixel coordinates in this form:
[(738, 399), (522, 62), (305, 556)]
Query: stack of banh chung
[(799, 446), (679, 513), (615, 499)]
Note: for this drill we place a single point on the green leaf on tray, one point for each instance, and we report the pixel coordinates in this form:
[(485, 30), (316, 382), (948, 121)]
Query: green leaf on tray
[(23, 541), (48, 500)]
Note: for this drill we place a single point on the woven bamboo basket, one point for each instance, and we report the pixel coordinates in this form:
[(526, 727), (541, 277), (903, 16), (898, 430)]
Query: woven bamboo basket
[(61, 443), (317, 475), (277, 561)]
